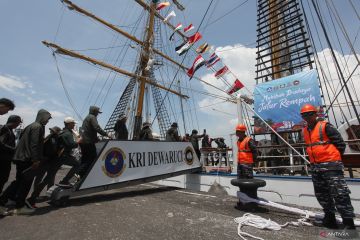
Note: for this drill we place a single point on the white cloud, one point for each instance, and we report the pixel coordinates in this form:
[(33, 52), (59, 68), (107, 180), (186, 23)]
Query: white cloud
[(11, 83), (333, 82), (241, 61)]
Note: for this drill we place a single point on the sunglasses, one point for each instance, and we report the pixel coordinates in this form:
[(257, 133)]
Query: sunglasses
[(308, 114)]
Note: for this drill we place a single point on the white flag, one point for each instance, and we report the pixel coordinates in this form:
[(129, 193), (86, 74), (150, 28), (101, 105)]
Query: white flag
[(170, 15)]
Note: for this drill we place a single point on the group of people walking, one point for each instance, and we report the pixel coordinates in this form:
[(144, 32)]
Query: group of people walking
[(38, 158)]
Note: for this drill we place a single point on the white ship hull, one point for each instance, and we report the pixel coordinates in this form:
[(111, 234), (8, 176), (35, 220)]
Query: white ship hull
[(281, 189)]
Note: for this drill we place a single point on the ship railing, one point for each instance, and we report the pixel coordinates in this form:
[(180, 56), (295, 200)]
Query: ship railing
[(350, 159), (302, 169), (274, 155)]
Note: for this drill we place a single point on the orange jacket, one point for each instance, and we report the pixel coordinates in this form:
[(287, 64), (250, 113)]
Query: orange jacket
[(244, 153), (319, 147)]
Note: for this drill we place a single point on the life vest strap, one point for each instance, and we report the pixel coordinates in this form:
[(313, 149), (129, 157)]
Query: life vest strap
[(318, 143), (244, 150)]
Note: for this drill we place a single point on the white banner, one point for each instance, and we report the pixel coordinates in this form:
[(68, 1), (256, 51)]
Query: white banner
[(122, 161)]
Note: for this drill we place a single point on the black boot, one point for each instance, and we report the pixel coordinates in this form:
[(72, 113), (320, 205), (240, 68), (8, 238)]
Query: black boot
[(329, 221), (348, 223)]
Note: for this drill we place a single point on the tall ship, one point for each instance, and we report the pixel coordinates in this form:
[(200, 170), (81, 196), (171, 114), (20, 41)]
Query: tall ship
[(158, 85)]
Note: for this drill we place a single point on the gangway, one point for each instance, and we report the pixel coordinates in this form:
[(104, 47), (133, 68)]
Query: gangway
[(125, 163)]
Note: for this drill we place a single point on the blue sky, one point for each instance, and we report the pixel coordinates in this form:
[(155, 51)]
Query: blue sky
[(28, 73)]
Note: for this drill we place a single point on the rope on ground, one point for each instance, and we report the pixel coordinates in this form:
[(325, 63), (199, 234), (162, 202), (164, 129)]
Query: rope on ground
[(249, 219)]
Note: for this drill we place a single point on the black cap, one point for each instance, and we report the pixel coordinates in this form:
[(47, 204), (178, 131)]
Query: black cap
[(194, 131), (55, 129), (14, 119), (174, 124)]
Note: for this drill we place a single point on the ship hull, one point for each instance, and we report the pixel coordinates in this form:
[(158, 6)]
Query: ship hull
[(282, 189)]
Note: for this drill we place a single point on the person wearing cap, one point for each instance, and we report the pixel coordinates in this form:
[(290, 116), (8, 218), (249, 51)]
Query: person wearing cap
[(325, 147), (194, 139), (7, 147), (121, 131), (246, 153), (172, 134), (146, 133), (6, 105), (67, 144), (89, 130), (27, 157)]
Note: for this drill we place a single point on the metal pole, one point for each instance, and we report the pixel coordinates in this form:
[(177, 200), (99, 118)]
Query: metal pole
[(182, 109)]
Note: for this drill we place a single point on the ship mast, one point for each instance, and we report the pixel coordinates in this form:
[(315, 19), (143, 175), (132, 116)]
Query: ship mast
[(145, 72), (283, 46)]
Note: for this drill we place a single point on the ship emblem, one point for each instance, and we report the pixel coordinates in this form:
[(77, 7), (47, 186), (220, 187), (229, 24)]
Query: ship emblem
[(114, 163), (189, 156)]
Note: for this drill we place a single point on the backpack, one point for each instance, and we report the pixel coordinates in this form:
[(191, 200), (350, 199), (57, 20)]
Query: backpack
[(51, 146)]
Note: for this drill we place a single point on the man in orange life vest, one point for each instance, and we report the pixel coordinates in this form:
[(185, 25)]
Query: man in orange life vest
[(246, 153), (325, 146)]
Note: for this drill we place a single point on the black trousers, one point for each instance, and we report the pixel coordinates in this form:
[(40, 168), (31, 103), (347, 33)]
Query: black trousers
[(198, 153), (245, 171), (69, 161), (50, 169), (5, 168), (20, 187), (88, 151)]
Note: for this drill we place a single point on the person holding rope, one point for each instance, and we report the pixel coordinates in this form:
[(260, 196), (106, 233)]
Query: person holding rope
[(325, 148)]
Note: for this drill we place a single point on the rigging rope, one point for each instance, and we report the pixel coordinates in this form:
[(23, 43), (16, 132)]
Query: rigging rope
[(353, 7), (65, 89), (317, 62), (335, 59), (119, 64), (90, 93), (345, 66), (226, 14), (337, 69), (162, 102), (60, 21)]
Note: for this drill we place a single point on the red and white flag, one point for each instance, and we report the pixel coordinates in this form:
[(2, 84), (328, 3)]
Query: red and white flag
[(162, 5), (177, 28), (194, 38), (221, 72), (235, 87), (198, 63), (188, 28), (185, 46)]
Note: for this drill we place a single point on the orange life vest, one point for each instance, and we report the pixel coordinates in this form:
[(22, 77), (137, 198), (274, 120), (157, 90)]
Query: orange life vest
[(318, 145), (244, 152)]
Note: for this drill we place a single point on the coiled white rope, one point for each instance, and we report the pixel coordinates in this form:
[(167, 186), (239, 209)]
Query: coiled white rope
[(249, 219), (261, 223)]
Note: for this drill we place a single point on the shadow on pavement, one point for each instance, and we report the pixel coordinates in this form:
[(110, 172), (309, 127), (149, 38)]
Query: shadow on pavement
[(104, 197)]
